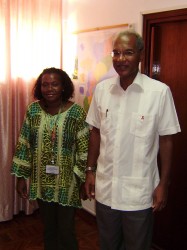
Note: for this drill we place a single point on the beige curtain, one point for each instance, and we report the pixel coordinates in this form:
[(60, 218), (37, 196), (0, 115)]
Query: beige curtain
[(30, 40)]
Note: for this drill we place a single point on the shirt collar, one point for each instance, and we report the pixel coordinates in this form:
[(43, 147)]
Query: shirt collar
[(138, 80), (136, 83)]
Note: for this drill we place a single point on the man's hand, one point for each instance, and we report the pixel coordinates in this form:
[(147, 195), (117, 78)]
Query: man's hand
[(83, 195), (160, 195), (90, 185)]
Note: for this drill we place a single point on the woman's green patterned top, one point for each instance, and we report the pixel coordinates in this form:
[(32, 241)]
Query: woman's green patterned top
[(34, 149)]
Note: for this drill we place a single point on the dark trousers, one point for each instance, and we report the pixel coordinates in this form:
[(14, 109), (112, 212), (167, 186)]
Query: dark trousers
[(124, 230), (59, 229)]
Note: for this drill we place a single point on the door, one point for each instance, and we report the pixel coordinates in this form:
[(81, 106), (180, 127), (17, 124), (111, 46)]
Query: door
[(165, 36)]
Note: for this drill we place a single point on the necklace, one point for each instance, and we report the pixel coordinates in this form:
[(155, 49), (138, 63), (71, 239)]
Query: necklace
[(51, 125)]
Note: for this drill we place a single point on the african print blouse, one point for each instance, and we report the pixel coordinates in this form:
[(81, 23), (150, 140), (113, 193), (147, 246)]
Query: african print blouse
[(70, 147)]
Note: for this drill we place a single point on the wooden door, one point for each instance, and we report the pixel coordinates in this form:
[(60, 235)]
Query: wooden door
[(165, 36)]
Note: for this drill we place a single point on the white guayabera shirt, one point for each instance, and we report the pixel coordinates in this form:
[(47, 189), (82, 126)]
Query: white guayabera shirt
[(130, 124)]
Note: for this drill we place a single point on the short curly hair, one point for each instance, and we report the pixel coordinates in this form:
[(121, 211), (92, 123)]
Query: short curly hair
[(65, 81)]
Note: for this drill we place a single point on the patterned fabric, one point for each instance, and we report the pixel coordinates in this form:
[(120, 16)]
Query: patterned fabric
[(34, 152)]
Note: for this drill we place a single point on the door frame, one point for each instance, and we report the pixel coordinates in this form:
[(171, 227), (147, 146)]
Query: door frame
[(150, 20)]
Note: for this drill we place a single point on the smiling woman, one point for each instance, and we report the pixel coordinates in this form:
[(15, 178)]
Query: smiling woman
[(52, 152), (30, 34)]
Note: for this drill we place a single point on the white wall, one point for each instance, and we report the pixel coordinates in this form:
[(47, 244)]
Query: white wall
[(86, 14), (95, 13)]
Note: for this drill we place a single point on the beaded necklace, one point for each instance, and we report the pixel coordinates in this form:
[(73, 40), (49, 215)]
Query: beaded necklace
[(51, 126)]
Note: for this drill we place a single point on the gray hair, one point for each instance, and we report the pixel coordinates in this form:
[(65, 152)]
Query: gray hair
[(130, 32)]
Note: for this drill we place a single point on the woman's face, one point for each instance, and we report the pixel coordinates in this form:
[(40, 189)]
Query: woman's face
[(51, 88)]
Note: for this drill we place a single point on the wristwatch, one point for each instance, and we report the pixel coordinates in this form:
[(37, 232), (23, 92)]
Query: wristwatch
[(90, 169)]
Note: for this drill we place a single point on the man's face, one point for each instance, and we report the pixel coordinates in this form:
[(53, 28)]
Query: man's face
[(126, 57)]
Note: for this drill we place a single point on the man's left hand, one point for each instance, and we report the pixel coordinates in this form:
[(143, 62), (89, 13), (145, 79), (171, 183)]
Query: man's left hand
[(160, 195)]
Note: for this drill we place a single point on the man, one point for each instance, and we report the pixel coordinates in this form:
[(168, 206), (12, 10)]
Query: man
[(132, 117)]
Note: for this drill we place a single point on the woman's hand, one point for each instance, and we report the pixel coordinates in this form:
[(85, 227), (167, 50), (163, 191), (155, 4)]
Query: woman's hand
[(22, 188)]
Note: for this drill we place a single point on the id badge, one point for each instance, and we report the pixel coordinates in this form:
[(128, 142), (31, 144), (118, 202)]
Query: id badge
[(52, 169)]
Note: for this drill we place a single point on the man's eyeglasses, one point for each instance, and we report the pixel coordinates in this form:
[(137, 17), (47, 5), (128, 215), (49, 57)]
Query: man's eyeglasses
[(125, 53)]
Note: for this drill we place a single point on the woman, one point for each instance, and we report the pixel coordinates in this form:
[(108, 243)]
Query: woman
[(52, 152)]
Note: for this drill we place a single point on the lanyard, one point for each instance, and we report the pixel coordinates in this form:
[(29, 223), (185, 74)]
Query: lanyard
[(51, 126)]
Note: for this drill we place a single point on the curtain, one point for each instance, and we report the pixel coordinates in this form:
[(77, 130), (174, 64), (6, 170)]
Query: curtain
[(30, 40)]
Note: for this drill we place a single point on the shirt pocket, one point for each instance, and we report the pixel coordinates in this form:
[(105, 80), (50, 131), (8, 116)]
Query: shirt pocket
[(142, 125), (136, 190), (105, 122)]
